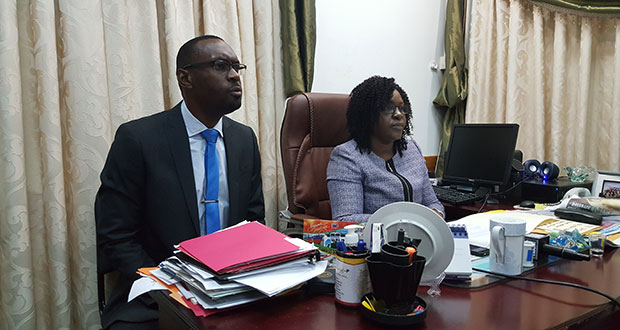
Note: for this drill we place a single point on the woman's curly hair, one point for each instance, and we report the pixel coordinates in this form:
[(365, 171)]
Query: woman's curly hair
[(366, 102)]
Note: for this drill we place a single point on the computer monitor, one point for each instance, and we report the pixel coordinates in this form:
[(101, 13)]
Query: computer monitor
[(480, 154)]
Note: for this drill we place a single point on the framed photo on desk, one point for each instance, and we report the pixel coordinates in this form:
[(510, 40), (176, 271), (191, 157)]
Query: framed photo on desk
[(606, 184)]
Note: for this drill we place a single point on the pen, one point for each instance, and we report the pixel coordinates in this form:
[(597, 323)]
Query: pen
[(412, 252), (417, 310), (368, 304), (361, 246), (169, 272), (341, 246), (400, 240), (186, 293)]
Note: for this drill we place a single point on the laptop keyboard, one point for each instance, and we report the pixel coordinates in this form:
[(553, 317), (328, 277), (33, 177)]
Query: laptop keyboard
[(454, 196)]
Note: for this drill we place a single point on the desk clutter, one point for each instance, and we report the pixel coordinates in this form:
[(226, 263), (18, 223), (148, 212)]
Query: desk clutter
[(376, 267), (232, 267), (250, 262), (384, 283), (395, 274), (379, 271)]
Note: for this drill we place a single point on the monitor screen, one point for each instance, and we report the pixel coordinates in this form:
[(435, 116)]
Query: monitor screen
[(480, 154)]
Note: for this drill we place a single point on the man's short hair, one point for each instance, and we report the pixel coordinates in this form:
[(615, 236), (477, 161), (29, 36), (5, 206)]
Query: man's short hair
[(188, 51)]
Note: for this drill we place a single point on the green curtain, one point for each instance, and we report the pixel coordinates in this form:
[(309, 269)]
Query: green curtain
[(453, 92), (298, 44), (585, 6)]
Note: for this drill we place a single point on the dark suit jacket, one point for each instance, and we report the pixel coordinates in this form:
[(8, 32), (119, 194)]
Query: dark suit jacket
[(147, 200)]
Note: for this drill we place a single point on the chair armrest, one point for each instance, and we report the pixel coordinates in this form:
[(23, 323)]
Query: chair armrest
[(302, 216), (292, 224)]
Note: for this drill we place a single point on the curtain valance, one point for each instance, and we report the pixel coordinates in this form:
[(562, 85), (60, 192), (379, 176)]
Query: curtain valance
[(582, 7)]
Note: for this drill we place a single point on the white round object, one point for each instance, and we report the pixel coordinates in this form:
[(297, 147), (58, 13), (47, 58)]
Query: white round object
[(420, 222)]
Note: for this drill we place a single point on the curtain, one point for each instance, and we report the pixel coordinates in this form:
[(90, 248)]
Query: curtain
[(453, 92), (298, 44), (555, 74), (71, 71)]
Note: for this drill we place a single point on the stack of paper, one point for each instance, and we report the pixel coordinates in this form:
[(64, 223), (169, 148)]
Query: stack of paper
[(231, 267), (245, 247)]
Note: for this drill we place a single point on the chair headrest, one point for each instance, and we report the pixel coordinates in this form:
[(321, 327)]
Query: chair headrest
[(328, 120)]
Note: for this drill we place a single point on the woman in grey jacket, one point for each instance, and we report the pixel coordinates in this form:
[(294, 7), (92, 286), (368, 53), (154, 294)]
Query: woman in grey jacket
[(378, 166)]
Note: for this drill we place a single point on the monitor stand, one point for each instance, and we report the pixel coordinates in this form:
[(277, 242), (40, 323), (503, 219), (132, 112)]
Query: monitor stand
[(492, 201), (483, 191)]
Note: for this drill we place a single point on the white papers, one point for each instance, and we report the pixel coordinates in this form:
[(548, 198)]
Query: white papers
[(562, 225), (162, 276), (143, 285), (303, 245), (272, 283), (188, 267)]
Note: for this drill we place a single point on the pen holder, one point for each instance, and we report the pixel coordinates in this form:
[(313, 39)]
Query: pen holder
[(392, 283), (394, 255)]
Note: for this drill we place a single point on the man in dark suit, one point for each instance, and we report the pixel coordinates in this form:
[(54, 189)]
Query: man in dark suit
[(154, 178)]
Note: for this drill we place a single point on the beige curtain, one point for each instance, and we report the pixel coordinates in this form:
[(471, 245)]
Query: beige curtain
[(555, 73), (70, 73)]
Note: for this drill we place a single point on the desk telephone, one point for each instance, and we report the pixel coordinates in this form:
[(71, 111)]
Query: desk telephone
[(577, 214)]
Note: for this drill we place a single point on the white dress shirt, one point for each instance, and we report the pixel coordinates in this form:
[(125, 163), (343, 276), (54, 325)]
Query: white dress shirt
[(197, 146)]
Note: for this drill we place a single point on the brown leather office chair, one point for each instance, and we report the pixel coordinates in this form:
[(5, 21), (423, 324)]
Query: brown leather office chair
[(314, 123)]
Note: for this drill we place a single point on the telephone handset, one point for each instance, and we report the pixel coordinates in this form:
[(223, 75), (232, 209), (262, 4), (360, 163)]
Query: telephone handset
[(574, 193), (577, 192)]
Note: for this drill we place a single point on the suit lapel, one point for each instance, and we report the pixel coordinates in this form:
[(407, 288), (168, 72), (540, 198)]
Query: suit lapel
[(232, 166), (178, 143)]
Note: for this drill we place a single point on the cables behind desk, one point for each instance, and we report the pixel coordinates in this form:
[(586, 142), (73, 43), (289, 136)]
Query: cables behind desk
[(489, 194), (573, 285), (486, 197)]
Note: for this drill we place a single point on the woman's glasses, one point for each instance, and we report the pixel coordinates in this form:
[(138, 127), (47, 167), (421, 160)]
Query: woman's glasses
[(391, 110)]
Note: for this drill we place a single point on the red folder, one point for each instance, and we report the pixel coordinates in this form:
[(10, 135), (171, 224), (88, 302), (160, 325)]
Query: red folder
[(239, 248)]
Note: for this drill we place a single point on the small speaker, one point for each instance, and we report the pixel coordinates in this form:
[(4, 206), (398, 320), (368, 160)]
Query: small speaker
[(549, 171), (517, 166), (512, 190), (516, 173), (518, 155), (531, 168)]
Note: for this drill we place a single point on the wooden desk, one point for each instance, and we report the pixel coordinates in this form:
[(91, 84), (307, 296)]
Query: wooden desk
[(506, 305)]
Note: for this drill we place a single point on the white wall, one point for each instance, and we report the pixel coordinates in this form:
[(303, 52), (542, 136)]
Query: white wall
[(394, 38)]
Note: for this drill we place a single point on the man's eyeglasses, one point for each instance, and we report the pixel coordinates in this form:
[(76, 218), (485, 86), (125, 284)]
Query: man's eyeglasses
[(221, 66), (391, 110)]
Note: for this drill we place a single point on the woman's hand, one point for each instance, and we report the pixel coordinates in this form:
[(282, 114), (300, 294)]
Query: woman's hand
[(439, 212)]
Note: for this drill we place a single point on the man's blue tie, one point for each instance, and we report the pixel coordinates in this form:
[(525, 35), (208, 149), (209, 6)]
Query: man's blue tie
[(212, 183)]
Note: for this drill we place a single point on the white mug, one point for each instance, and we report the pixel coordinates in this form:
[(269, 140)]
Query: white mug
[(506, 256)]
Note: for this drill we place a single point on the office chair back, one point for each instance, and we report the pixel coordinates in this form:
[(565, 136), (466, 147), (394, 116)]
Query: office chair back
[(314, 123), (106, 275)]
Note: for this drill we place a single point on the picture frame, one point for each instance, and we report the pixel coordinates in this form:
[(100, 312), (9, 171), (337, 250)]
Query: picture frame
[(604, 183)]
